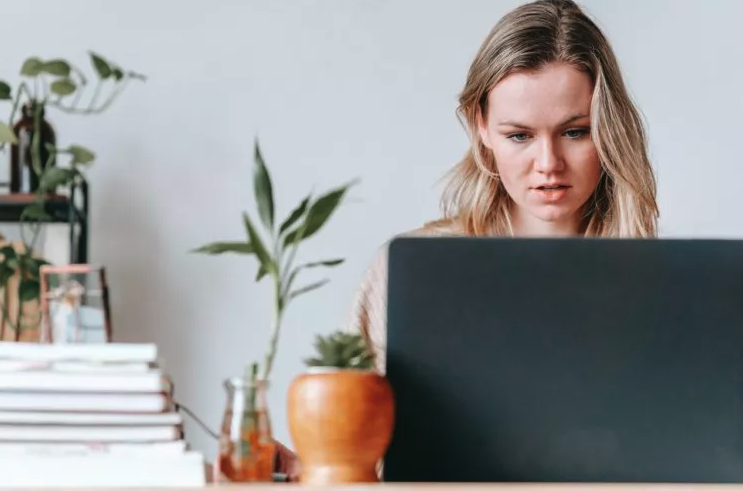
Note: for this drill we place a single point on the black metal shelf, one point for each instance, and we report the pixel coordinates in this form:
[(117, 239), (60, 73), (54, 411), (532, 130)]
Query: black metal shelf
[(61, 209)]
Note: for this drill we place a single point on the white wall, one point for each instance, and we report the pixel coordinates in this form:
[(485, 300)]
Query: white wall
[(336, 89)]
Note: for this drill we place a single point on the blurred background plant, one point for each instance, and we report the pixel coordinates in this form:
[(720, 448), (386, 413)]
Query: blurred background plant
[(59, 84)]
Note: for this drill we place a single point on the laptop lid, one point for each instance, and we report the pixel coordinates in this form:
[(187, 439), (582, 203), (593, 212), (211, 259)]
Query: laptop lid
[(565, 360)]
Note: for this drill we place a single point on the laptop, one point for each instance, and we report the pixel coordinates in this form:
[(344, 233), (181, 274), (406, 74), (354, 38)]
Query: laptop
[(565, 360)]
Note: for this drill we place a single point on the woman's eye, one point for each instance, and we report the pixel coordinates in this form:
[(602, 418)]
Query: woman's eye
[(575, 134), (517, 137)]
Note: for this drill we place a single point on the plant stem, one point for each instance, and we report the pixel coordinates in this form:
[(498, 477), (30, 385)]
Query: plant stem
[(274, 339)]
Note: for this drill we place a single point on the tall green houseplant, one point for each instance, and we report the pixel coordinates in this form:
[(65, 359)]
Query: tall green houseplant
[(274, 245), (59, 84)]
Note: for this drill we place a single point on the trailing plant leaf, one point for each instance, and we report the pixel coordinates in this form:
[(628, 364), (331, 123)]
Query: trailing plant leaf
[(55, 177), (63, 87), (101, 66), (215, 248), (29, 289), (35, 211), (260, 250), (32, 66), (263, 189), (6, 93), (6, 134), (80, 155), (56, 67)]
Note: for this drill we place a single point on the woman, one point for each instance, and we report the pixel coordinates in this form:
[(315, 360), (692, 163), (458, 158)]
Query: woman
[(557, 146)]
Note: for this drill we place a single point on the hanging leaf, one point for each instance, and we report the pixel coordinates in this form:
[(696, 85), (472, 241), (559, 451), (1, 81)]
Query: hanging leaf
[(6, 134), (136, 76), (263, 189), (117, 73), (261, 273), (54, 177), (63, 87), (102, 68), (6, 273), (6, 93), (36, 212), (80, 155), (225, 247), (28, 290), (317, 215), (260, 250), (32, 66), (295, 215), (56, 67)]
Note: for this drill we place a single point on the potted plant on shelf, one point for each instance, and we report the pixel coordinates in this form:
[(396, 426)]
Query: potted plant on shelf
[(248, 454), (36, 160), (340, 413)]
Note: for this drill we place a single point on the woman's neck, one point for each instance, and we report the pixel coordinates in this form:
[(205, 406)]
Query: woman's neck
[(530, 226)]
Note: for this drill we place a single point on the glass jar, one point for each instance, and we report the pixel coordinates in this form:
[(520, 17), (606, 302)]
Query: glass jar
[(247, 449)]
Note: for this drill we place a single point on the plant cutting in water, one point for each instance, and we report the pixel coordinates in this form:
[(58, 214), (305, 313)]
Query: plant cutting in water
[(275, 248)]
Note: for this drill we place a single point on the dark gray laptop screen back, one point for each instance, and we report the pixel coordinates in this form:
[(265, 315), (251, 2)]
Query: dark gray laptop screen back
[(566, 360)]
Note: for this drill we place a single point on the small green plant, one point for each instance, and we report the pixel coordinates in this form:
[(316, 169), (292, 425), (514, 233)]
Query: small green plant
[(275, 247), (59, 84), (341, 350)]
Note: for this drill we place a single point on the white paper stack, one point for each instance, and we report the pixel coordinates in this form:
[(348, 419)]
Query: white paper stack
[(90, 415)]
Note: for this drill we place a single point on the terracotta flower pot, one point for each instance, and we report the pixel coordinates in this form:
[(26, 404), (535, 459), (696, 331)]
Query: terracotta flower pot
[(341, 424)]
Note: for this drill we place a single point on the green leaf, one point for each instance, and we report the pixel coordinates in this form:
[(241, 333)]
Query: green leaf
[(6, 273), (308, 288), (63, 87), (136, 76), (32, 265), (216, 248), (329, 262), (80, 155), (295, 215), (8, 252), (117, 74), (6, 134), (261, 273), (102, 68), (35, 211), (56, 67), (32, 66), (28, 290), (6, 93), (263, 189), (260, 250), (54, 177), (318, 215)]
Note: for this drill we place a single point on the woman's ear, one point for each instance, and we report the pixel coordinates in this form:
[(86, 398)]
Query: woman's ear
[(482, 129)]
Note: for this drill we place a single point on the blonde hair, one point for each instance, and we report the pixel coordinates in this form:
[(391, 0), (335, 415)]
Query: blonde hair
[(528, 38)]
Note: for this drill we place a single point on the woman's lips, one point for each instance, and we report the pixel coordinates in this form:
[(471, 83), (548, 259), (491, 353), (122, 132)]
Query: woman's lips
[(551, 193)]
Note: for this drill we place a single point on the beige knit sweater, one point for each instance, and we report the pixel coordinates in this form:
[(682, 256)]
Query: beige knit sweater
[(369, 309)]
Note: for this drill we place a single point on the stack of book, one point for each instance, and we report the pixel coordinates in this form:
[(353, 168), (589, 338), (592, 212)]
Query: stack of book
[(87, 415)]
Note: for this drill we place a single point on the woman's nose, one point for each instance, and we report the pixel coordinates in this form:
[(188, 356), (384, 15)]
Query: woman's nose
[(549, 158)]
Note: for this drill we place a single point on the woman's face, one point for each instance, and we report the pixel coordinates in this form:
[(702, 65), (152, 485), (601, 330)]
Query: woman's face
[(538, 128)]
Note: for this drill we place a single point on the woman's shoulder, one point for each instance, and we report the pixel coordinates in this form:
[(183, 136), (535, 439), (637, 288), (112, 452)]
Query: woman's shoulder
[(439, 228)]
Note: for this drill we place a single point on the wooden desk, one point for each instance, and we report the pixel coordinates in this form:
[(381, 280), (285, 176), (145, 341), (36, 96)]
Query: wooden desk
[(441, 487)]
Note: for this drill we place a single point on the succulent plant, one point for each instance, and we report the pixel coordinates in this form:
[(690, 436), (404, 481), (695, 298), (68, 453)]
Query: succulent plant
[(341, 350)]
